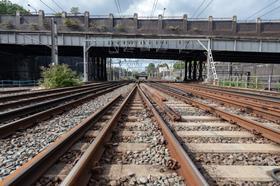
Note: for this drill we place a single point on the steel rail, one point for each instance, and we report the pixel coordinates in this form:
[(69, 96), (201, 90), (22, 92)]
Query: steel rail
[(29, 109), (258, 109), (43, 92), (23, 123), (31, 171), (253, 126), (81, 172), (49, 96), (270, 100), (187, 169), (170, 112)]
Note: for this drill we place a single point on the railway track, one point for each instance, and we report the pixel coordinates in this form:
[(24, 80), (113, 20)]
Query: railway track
[(255, 124), (117, 144), (26, 116), (266, 109), (224, 152), (155, 135)]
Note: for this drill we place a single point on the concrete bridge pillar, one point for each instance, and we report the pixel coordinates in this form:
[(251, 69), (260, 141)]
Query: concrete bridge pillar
[(190, 70), (17, 21), (104, 69), (186, 71), (259, 26), (99, 75), (200, 70), (41, 16), (210, 24), (86, 20), (194, 70), (234, 24), (185, 22), (94, 68), (135, 19), (159, 23), (63, 16), (111, 20)]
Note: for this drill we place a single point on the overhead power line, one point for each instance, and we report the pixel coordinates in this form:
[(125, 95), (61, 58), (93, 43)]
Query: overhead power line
[(201, 4), (262, 9), (270, 11), (57, 5), (118, 7), (154, 8), (209, 3), (48, 6)]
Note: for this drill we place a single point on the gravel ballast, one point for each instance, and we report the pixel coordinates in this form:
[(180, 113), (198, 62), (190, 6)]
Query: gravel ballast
[(24, 145)]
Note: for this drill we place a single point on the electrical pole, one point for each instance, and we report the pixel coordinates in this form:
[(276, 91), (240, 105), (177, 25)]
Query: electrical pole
[(54, 42)]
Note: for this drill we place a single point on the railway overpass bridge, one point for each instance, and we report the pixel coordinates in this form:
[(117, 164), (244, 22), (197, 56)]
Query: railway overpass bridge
[(99, 37)]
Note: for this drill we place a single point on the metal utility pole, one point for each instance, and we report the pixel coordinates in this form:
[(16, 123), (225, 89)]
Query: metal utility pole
[(54, 42)]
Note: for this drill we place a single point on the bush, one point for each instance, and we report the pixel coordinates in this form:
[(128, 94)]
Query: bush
[(120, 28), (71, 23), (57, 76)]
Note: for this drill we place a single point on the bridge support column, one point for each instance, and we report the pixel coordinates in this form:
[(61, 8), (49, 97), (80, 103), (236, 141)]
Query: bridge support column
[(86, 20), (17, 19), (99, 68), (234, 24), (85, 63), (41, 16), (104, 69), (95, 69), (186, 71), (194, 70), (200, 70), (190, 70), (135, 20)]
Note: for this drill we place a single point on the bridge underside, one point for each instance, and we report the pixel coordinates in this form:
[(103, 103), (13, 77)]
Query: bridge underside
[(12, 55), (221, 56)]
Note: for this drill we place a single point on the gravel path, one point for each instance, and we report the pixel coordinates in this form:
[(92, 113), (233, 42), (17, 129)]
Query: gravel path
[(22, 146)]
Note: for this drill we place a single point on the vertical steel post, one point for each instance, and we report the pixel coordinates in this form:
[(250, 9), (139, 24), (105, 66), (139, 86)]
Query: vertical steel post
[(208, 62)]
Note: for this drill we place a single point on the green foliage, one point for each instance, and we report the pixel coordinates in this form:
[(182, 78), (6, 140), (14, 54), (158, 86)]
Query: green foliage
[(179, 65), (71, 23), (57, 76), (75, 10), (151, 68), (120, 28), (7, 7)]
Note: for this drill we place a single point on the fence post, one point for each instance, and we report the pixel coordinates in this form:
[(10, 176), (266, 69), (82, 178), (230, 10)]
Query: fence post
[(256, 82), (269, 82)]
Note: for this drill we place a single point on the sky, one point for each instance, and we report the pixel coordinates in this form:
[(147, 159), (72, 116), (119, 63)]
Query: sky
[(243, 9)]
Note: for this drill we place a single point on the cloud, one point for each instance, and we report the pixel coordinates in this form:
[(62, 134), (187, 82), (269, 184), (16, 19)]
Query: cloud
[(219, 8)]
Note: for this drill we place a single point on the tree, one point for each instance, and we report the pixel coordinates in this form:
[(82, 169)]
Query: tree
[(179, 65), (151, 68), (7, 7), (75, 10)]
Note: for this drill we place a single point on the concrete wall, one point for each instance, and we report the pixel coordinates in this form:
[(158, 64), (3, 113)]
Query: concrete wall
[(135, 25)]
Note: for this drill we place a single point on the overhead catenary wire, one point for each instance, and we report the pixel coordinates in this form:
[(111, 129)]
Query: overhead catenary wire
[(58, 5), (270, 11), (118, 7), (201, 4), (209, 3), (154, 7), (262, 9), (48, 6)]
